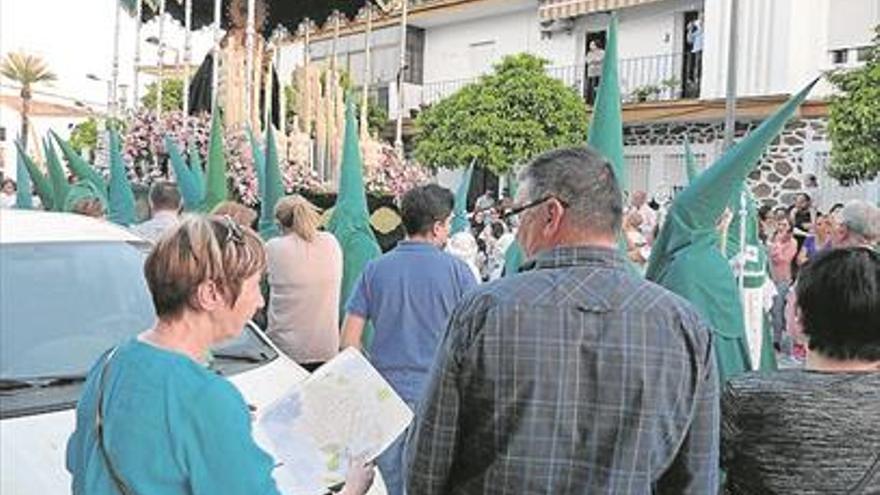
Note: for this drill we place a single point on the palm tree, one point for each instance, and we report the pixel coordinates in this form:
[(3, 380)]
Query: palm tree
[(27, 70)]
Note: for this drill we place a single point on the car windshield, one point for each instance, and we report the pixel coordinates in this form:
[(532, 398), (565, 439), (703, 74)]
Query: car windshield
[(63, 304)]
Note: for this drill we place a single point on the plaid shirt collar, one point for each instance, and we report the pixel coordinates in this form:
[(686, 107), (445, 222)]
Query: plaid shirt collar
[(573, 256)]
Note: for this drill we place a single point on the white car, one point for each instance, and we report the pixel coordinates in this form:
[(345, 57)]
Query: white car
[(72, 287)]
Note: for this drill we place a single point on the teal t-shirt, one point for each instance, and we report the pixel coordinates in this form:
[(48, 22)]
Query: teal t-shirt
[(171, 426)]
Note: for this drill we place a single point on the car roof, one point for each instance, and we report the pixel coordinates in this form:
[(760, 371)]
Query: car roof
[(29, 226)]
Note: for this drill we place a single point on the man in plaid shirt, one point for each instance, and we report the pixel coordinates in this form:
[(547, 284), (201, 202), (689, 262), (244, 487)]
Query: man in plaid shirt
[(574, 376)]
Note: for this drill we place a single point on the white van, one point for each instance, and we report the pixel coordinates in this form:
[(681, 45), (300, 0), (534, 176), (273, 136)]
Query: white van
[(72, 287)]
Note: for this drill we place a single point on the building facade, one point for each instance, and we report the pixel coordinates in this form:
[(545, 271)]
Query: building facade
[(673, 71)]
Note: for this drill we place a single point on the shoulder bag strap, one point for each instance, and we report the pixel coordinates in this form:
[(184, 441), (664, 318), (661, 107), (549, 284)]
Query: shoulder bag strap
[(99, 428)]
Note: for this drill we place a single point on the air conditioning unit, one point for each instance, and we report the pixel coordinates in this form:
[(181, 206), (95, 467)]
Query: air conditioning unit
[(552, 26)]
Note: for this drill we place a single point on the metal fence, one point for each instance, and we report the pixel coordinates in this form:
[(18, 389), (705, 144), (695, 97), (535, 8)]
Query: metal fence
[(650, 78)]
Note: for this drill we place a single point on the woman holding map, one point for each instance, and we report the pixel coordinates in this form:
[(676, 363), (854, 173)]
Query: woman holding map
[(153, 418)]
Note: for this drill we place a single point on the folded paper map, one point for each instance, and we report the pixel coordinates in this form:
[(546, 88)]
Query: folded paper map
[(344, 410)]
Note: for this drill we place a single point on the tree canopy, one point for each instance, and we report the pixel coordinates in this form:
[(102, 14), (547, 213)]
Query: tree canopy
[(503, 119), (854, 121), (85, 135), (172, 95)]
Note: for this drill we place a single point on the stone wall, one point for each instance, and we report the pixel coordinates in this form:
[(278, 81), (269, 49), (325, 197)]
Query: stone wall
[(777, 178)]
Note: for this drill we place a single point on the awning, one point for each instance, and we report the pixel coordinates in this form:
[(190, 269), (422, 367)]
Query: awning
[(558, 9)]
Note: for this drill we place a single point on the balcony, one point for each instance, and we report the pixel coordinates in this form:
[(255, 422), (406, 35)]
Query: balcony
[(652, 78)]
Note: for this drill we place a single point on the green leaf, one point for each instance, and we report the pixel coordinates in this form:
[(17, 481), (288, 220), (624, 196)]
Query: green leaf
[(854, 120), (503, 119)]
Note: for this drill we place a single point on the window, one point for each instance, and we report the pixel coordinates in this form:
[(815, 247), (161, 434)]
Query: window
[(839, 57), (415, 56), (383, 98), (481, 55), (863, 53), (2, 134)]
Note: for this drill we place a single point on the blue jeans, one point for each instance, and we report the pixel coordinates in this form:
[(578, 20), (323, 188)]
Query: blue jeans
[(392, 462)]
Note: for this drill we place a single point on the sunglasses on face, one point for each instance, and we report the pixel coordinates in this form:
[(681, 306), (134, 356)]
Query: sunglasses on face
[(516, 210)]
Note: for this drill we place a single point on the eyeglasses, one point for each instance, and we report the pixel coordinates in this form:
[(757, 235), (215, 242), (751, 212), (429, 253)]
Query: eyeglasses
[(233, 231), (531, 204)]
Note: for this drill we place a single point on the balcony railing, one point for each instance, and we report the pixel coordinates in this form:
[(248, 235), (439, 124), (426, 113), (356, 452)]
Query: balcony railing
[(650, 78)]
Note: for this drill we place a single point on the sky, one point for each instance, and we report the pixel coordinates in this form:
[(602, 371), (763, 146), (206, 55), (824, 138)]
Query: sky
[(75, 38)]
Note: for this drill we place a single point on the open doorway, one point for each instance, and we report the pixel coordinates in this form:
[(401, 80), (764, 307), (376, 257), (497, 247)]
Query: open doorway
[(595, 53), (482, 180), (692, 54)]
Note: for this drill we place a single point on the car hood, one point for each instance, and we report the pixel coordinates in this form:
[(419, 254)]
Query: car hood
[(33, 448)]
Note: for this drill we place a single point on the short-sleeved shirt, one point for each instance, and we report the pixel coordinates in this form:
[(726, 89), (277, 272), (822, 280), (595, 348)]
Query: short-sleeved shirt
[(408, 295), (153, 228), (171, 427)]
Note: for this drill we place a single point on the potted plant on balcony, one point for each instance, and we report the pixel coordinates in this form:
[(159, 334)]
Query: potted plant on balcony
[(648, 92)]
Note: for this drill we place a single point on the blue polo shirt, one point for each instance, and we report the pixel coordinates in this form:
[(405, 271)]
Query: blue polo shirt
[(408, 295)]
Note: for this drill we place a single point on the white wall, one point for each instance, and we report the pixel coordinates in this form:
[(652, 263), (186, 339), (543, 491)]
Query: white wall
[(459, 50), (449, 178), (648, 30), (41, 126), (782, 44)]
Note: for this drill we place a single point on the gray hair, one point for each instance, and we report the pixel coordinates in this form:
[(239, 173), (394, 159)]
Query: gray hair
[(863, 219), (582, 178)]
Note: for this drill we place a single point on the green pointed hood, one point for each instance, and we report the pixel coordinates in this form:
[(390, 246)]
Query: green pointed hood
[(119, 194), (41, 183), (733, 244), (512, 186), (690, 162), (351, 201), (605, 133), (198, 173), (272, 188), (514, 258), (60, 186), (350, 222), (460, 221), (187, 183), (79, 167), (259, 157), (696, 209), (23, 191), (216, 189), (606, 127)]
